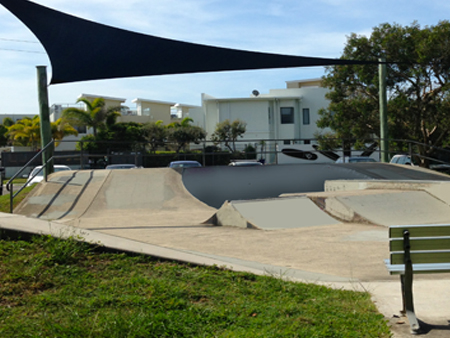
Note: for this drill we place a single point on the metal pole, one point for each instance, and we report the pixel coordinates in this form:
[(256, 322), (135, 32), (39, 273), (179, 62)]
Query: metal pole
[(384, 144), (44, 114)]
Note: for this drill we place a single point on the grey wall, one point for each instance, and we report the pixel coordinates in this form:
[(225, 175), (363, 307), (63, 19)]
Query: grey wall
[(215, 185)]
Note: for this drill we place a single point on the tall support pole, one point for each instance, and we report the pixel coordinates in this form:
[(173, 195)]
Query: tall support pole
[(44, 114), (384, 146)]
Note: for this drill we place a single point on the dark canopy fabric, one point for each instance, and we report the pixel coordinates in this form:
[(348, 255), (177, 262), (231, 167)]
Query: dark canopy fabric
[(82, 50)]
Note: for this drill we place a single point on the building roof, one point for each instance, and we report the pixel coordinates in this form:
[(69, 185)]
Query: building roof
[(92, 96), (137, 100), (304, 83)]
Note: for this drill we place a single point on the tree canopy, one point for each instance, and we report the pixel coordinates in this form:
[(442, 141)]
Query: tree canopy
[(155, 133), (182, 133), (96, 116), (418, 74), (27, 131), (228, 132)]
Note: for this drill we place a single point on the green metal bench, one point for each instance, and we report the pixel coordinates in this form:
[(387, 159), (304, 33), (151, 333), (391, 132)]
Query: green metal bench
[(417, 249)]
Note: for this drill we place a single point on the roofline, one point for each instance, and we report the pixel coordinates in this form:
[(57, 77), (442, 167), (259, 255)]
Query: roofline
[(102, 96), (164, 102), (256, 98), (306, 80)]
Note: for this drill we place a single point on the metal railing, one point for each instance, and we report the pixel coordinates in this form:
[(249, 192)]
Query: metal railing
[(10, 183)]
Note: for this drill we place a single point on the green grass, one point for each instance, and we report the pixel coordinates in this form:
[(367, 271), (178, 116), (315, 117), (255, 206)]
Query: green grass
[(55, 288), (5, 198), (17, 180)]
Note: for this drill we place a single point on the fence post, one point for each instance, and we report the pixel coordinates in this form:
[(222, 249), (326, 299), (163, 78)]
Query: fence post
[(81, 156), (204, 155)]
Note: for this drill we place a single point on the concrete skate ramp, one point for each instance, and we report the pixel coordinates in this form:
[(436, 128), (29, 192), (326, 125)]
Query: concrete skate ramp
[(100, 199), (273, 214), (107, 199), (215, 185)]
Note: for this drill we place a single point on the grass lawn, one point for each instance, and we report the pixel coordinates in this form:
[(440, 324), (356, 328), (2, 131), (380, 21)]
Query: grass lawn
[(5, 198), (65, 288)]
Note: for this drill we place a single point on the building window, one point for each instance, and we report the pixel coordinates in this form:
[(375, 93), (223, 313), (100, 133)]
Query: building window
[(287, 115), (305, 115), (287, 142)]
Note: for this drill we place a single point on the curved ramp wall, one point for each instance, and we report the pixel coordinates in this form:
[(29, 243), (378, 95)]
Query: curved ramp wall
[(215, 185)]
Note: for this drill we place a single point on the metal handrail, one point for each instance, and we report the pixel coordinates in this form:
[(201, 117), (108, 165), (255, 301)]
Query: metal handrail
[(10, 185)]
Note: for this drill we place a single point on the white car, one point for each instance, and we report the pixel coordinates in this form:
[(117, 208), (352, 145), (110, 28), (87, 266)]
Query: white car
[(39, 172), (401, 159)]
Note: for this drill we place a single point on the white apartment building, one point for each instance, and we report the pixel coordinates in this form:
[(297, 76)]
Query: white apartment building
[(289, 113), (284, 114)]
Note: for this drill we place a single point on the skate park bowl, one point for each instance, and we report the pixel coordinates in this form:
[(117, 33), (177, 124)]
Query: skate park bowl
[(246, 196)]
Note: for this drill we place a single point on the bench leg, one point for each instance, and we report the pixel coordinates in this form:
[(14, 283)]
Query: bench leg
[(407, 295)]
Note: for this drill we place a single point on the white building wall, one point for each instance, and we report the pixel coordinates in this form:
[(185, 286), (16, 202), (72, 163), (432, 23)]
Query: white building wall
[(254, 113), (314, 100)]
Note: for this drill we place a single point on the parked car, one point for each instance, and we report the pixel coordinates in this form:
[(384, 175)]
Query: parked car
[(184, 164), (121, 166), (244, 164), (37, 174), (355, 159), (401, 159)]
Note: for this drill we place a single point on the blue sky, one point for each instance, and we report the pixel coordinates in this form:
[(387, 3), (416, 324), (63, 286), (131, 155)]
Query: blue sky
[(316, 28)]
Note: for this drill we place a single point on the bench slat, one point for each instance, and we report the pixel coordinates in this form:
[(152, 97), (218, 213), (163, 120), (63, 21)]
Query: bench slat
[(421, 243), (426, 230), (422, 257), (397, 269)]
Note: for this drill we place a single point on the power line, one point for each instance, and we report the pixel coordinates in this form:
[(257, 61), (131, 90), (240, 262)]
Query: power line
[(22, 51), (15, 40)]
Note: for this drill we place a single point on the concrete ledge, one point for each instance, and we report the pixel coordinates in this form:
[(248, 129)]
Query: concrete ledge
[(350, 185)]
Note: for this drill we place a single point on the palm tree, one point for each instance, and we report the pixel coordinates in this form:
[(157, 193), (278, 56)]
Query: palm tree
[(60, 129), (95, 115), (26, 132), (186, 122)]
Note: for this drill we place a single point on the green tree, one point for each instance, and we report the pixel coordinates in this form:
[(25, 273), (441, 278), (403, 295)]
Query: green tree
[(3, 137), (60, 129), (96, 115), (228, 132), (182, 133), (8, 122), (417, 81), (155, 134), (124, 136), (26, 133)]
